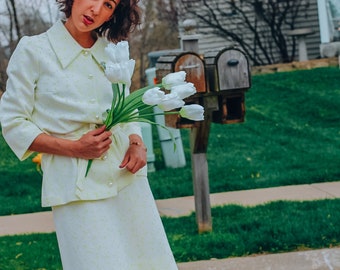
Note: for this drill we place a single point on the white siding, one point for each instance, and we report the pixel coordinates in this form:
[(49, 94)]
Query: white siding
[(211, 41)]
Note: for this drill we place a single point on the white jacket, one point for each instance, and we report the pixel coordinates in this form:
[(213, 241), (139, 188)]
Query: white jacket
[(59, 88)]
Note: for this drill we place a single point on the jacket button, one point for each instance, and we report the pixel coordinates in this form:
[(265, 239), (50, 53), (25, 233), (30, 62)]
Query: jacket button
[(110, 184)]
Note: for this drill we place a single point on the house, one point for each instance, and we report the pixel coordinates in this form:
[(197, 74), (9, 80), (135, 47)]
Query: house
[(319, 24)]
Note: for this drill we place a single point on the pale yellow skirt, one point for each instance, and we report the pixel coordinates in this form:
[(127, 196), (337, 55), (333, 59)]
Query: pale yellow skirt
[(120, 233)]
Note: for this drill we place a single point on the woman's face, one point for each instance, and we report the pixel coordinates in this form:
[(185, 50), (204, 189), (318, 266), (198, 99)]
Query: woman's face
[(88, 15)]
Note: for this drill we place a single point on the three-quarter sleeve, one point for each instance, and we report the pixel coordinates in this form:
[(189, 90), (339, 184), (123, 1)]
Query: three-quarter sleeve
[(17, 103)]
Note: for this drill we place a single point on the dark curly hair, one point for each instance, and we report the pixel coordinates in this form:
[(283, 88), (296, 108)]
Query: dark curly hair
[(124, 20)]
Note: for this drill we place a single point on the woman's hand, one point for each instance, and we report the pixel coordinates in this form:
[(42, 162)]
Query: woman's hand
[(135, 157), (94, 143)]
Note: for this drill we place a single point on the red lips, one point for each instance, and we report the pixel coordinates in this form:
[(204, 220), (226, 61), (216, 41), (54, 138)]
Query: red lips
[(88, 20)]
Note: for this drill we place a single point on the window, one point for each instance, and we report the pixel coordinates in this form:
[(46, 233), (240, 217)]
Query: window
[(334, 14)]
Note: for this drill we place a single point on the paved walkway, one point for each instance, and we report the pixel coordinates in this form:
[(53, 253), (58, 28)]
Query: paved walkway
[(325, 259)]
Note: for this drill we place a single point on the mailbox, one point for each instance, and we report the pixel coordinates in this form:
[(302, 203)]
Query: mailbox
[(194, 67), (228, 76), (231, 109), (227, 70), (189, 62)]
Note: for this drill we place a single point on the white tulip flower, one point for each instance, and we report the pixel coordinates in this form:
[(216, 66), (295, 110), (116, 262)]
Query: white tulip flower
[(170, 101), (193, 112), (184, 90), (173, 79), (119, 52), (120, 72), (153, 96)]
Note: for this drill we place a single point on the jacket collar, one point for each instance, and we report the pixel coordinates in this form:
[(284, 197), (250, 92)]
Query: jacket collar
[(67, 49)]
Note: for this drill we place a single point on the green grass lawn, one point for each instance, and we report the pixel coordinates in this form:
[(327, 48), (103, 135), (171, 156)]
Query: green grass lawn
[(291, 136), (238, 231)]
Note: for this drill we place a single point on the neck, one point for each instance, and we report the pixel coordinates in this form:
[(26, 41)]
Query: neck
[(86, 42), (85, 39)]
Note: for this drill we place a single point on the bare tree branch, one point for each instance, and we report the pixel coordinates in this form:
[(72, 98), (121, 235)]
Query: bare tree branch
[(257, 26), (12, 29)]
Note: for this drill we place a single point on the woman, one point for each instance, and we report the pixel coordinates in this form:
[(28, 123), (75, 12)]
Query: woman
[(55, 98)]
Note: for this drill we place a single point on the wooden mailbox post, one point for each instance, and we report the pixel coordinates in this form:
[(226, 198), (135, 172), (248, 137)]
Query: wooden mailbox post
[(221, 78)]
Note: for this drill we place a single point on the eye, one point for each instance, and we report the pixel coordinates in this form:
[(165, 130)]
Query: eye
[(111, 4), (108, 5)]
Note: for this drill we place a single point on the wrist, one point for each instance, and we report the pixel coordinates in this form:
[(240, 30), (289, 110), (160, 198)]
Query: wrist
[(138, 144)]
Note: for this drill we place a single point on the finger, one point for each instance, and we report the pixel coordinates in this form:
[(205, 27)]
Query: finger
[(97, 131), (124, 161), (132, 167), (103, 139)]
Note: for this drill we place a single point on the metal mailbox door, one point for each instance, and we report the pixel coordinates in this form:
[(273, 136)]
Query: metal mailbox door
[(233, 70), (189, 62), (193, 65)]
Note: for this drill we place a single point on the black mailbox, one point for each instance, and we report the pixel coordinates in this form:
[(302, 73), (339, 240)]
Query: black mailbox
[(228, 76)]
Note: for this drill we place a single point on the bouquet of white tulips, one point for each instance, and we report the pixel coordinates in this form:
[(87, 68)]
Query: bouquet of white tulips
[(135, 107)]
